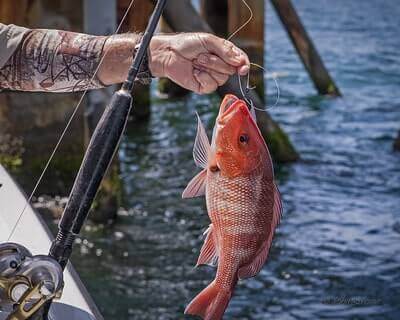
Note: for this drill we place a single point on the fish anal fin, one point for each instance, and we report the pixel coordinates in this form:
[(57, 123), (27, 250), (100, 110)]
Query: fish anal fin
[(253, 268), (209, 251), (197, 186)]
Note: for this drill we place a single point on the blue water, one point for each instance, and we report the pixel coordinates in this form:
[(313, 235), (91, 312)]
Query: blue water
[(339, 238)]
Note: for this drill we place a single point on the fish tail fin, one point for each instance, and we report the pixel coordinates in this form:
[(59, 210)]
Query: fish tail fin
[(210, 304)]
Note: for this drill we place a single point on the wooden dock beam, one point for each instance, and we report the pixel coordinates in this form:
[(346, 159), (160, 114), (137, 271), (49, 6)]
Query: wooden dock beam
[(277, 140), (305, 48)]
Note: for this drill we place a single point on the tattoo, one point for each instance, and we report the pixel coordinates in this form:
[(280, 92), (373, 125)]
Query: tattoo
[(52, 60)]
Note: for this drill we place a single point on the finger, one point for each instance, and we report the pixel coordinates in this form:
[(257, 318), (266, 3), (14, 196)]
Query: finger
[(213, 62), (206, 83), (226, 50), (245, 67), (220, 78)]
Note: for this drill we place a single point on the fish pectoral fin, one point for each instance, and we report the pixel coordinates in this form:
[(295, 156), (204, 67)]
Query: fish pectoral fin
[(196, 186), (209, 252), (202, 148), (253, 268)]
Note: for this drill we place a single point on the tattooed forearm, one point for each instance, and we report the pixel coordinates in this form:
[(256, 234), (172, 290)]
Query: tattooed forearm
[(60, 61)]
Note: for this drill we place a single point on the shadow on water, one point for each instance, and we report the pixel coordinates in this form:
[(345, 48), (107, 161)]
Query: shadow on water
[(336, 254)]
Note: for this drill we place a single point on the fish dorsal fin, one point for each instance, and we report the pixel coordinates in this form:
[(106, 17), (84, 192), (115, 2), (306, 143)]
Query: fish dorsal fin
[(209, 252), (253, 268), (197, 186), (201, 148)]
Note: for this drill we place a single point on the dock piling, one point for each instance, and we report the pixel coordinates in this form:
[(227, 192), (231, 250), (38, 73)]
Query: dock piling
[(136, 21), (251, 37), (305, 48)]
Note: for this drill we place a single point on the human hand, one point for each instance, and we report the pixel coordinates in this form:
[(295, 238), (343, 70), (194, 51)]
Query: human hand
[(199, 62)]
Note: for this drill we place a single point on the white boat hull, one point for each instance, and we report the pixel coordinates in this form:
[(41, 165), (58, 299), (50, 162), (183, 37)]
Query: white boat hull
[(31, 232)]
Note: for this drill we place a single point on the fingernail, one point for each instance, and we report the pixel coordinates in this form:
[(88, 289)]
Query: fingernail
[(196, 72)]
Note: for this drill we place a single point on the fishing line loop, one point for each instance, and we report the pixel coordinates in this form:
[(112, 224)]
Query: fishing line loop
[(65, 130), (246, 91)]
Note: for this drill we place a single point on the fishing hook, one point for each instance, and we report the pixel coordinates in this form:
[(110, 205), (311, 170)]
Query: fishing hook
[(248, 88)]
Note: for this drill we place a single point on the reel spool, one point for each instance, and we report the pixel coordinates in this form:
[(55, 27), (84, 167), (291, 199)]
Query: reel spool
[(27, 282)]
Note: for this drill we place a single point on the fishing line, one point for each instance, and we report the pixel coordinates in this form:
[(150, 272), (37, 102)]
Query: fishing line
[(248, 87), (246, 23), (64, 132)]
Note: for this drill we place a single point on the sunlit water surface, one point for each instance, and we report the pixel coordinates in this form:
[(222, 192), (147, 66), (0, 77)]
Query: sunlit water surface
[(340, 232)]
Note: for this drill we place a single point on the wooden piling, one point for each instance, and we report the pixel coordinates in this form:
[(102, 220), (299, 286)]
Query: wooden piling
[(136, 21), (13, 12), (280, 146), (305, 48), (251, 37), (215, 13)]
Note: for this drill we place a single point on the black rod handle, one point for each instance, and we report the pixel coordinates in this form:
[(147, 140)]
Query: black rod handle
[(99, 154)]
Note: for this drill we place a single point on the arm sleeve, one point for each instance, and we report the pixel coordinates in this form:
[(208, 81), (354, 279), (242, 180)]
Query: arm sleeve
[(10, 37), (52, 61)]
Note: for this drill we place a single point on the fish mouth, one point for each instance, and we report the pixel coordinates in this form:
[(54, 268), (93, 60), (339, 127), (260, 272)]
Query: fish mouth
[(228, 108), (228, 101)]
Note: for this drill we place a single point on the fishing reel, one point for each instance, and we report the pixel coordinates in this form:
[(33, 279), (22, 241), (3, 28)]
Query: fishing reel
[(27, 282)]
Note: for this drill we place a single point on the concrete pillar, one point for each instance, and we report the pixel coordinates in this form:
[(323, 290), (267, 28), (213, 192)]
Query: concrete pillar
[(251, 37), (100, 18), (31, 123)]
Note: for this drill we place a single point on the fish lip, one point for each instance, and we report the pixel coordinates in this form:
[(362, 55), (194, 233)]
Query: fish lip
[(224, 117), (228, 101)]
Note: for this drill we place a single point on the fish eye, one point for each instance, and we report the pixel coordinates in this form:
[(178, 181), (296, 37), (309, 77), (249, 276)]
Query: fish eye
[(244, 138)]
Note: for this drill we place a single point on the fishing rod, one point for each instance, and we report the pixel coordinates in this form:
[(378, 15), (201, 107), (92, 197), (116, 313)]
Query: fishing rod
[(29, 283), (102, 147), (99, 154)]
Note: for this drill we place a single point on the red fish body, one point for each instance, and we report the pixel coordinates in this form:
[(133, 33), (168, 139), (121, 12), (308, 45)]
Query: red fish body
[(243, 203)]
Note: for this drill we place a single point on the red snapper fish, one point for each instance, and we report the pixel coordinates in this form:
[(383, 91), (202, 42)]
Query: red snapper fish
[(243, 203)]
